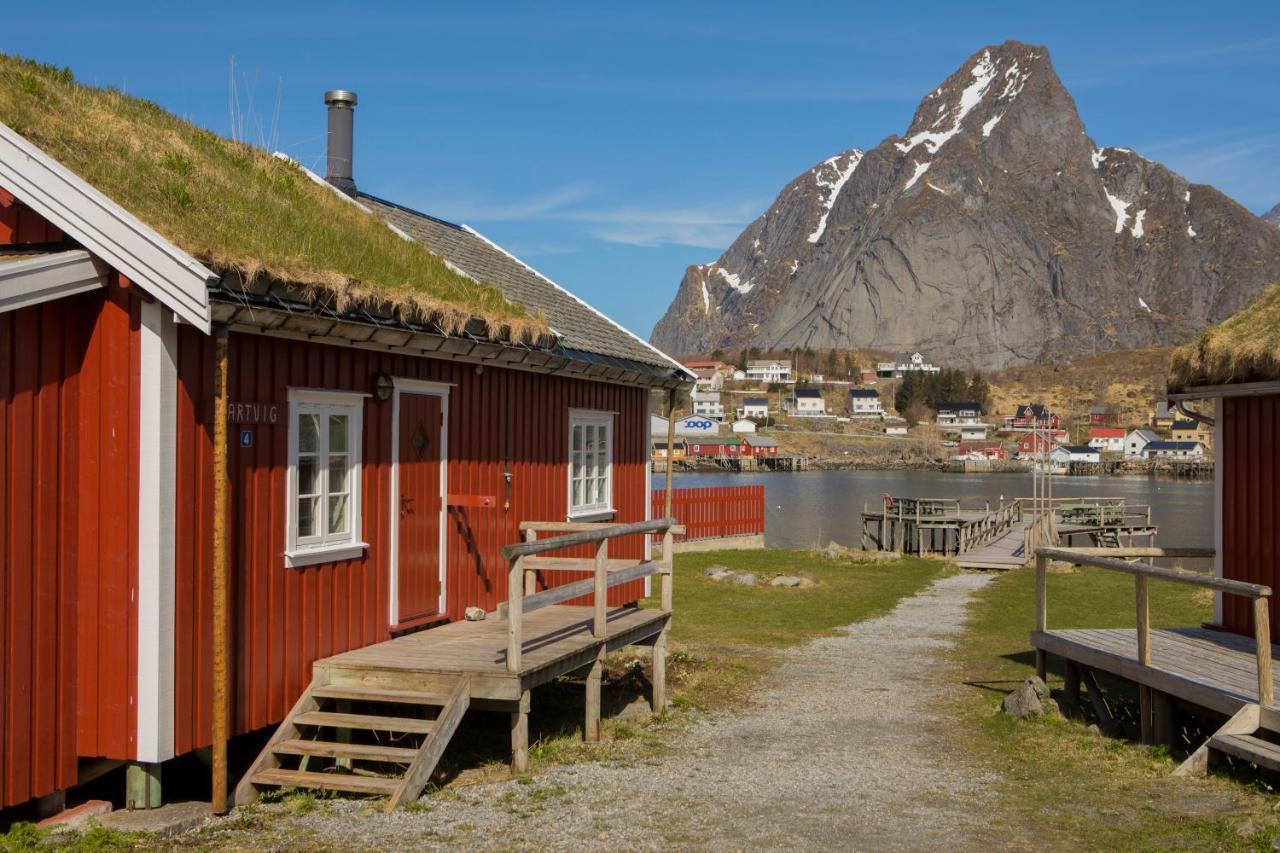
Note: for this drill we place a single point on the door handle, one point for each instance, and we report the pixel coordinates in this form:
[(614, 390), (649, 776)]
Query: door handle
[(406, 505)]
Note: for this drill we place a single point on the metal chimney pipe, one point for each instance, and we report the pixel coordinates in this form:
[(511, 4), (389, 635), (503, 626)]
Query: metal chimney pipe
[(342, 113)]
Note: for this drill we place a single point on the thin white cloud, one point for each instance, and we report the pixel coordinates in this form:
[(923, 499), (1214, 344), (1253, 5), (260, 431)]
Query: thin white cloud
[(704, 226), (538, 206)]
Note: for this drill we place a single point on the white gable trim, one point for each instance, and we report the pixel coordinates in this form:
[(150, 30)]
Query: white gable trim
[(48, 277), (105, 228)]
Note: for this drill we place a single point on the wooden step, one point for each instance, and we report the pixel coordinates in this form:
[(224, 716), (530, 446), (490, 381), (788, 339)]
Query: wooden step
[(1250, 748), (369, 722), (358, 751), (358, 694), (329, 781)]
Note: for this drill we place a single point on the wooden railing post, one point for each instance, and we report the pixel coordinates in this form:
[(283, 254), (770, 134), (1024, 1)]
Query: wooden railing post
[(530, 575), (1144, 619), (1262, 637), (515, 613), (1042, 610), (602, 587), (668, 565)]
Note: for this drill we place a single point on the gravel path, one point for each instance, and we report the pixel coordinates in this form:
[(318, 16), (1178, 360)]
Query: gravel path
[(843, 750)]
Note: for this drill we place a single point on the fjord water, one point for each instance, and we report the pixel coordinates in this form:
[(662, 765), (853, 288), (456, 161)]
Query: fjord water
[(811, 508)]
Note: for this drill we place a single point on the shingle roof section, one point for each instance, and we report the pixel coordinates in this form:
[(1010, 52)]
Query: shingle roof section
[(580, 327)]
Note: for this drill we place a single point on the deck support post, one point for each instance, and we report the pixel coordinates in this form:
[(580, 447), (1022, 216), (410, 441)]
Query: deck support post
[(1164, 726), (1146, 732), (591, 725), (520, 735), (1071, 687)]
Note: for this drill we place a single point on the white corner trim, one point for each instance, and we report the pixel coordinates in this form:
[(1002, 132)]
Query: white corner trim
[(45, 278), (402, 386), (105, 228), (157, 427)]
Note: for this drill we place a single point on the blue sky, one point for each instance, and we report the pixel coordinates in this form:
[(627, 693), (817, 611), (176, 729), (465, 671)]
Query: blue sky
[(611, 145)]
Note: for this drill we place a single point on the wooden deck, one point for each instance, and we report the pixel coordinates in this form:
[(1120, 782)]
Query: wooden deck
[(557, 640), (1212, 669), (1007, 551)]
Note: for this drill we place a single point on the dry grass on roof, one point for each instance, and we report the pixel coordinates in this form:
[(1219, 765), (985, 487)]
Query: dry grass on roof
[(1243, 348), (236, 208)]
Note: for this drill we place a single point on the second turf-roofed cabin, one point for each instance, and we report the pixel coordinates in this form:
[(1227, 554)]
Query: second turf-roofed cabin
[(1235, 368), (401, 396)]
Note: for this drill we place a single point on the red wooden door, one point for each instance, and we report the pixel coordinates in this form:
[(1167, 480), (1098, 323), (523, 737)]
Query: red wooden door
[(421, 501)]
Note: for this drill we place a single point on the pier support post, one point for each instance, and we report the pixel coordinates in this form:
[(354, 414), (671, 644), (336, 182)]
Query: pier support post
[(591, 726), (520, 735)]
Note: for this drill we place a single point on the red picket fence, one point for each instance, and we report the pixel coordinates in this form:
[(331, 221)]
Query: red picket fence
[(709, 513)]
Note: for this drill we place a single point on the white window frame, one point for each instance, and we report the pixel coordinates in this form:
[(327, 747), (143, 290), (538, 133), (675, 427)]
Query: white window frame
[(326, 547), (591, 512)]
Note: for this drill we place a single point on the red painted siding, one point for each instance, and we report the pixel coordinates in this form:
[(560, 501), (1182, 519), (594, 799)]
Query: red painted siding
[(107, 536), (39, 353), (20, 225), (1250, 471), (284, 619)]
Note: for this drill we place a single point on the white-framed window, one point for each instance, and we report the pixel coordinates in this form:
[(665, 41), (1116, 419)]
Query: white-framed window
[(325, 430), (590, 464)]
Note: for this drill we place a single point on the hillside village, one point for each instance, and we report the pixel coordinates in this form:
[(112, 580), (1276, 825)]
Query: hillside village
[(788, 412)]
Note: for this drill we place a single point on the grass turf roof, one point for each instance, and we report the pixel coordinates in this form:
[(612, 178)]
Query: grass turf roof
[(238, 209), (1243, 348)]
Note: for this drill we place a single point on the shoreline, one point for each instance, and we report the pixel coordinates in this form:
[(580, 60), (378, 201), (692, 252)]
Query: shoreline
[(1157, 470)]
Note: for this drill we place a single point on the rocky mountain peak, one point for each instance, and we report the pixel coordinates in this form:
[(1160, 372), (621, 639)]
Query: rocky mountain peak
[(995, 216), (1273, 216)]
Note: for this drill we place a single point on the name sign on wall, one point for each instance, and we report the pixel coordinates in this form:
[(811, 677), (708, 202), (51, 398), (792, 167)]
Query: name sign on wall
[(252, 413)]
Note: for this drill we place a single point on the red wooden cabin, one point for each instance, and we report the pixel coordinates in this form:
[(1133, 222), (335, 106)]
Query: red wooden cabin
[(1234, 374), (376, 466)]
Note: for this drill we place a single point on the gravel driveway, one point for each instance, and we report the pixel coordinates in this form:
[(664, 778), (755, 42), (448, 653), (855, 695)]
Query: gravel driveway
[(844, 750)]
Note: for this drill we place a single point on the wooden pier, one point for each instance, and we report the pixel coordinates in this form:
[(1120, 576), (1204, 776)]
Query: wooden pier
[(1004, 536)]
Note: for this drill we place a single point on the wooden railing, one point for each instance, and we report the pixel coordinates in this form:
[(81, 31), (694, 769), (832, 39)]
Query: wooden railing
[(525, 560), (714, 511), (989, 527), (1112, 558), (1040, 533)]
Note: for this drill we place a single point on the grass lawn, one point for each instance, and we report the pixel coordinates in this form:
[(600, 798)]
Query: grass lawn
[(1074, 787), (720, 614)]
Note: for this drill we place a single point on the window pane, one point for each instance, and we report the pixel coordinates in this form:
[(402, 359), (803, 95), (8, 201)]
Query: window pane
[(577, 466), (602, 496), (589, 443), (338, 514), (337, 473), (579, 498), (308, 433), (337, 433), (307, 479), (307, 508), (577, 437)]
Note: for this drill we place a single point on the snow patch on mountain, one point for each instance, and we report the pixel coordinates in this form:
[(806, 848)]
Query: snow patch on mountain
[(921, 168), (1121, 208), (984, 71), (1137, 223), (831, 178), (706, 298)]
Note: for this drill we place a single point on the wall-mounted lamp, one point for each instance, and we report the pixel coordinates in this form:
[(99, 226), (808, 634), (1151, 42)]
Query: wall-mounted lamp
[(382, 387)]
